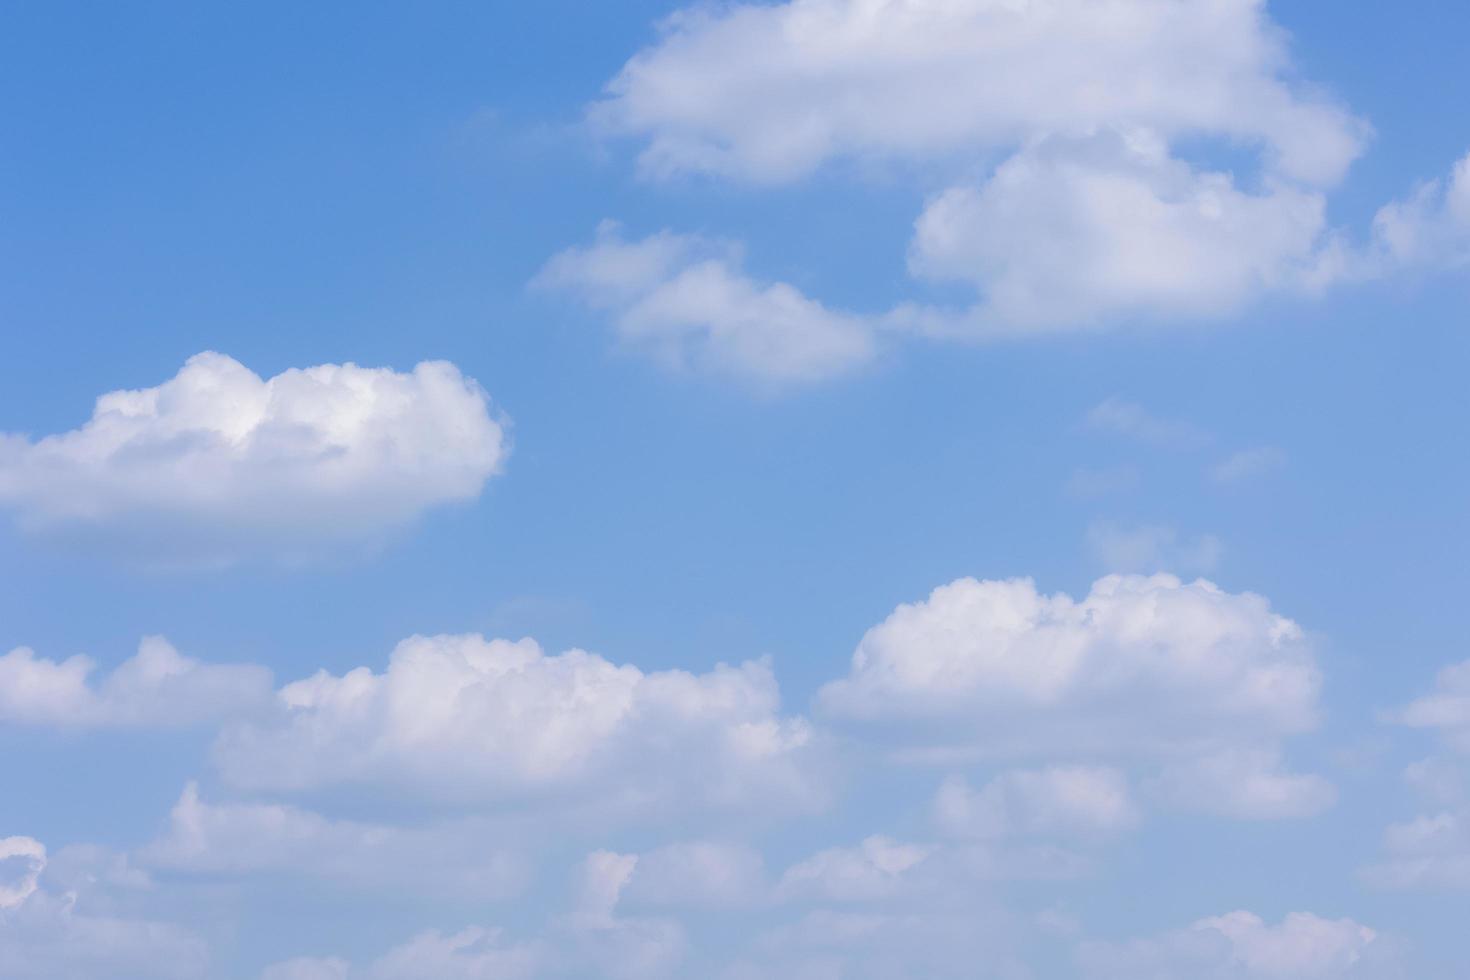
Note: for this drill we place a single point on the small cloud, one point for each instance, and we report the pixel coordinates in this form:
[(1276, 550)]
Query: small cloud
[(1119, 417), (1248, 464)]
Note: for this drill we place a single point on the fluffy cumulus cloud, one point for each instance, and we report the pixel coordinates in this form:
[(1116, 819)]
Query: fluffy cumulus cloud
[(465, 718), (688, 300), (156, 688), (217, 463), (1083, 232), (1071, 150), (771, 91), (1241, 946), (1202, 683)]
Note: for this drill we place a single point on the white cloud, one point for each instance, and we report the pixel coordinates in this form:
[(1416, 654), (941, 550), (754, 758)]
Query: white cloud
[(1058, 800), (688, 301), (1071, 142), (257, 838), (1447, 710), (1069, 234), (770, 92), (217, 464), (1248, 782), (22, 859), (1248, 464), (463, 718), (1430, 229), (1151, 548), (156, 688), (1241, 946), (1431, 851), (1146, 669), (1120, 417)]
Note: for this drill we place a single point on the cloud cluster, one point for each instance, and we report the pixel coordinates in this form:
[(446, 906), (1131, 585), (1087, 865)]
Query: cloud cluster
[(1432, 850), (217, 464), (1072, 153), (156, 688), (462, 717)]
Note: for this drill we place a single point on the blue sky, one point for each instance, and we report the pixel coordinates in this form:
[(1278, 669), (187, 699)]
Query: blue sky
[(900, 295)]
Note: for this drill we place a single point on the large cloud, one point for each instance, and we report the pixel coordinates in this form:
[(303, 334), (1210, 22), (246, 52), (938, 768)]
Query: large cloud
[(1204, 682), (217, 463), (460, 717), (769, 92), (157, 688), (688, 300)]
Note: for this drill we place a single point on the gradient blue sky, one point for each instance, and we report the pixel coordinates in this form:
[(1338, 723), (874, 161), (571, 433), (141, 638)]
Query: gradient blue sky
[(296, 185)]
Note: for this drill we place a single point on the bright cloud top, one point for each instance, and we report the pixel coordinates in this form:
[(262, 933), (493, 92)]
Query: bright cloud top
[(217, 463), (463, 717), (156, 688), (1203, 681), (1084, 232), (687, 300), (769, 92)]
